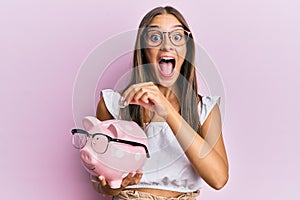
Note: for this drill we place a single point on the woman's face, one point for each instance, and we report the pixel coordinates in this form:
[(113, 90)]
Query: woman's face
[(166, 58)]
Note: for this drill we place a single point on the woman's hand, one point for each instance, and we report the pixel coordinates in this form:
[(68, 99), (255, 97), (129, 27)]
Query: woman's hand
[(130, 179), (148, 96)]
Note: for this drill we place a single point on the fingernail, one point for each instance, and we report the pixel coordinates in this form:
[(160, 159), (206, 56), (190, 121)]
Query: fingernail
[(132, 174), (101, 178), (122, 98), (122, 104)]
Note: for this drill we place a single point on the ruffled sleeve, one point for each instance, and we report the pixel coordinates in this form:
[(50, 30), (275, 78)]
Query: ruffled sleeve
[(111, 99), (208, 102)]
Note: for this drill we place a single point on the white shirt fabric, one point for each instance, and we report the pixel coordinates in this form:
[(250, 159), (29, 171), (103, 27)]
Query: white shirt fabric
[(168, 168)]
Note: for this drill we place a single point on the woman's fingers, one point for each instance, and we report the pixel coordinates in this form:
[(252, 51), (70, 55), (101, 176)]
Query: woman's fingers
[(140, 93), (148, 96), (131, 179), (102, 181), (134, 89)]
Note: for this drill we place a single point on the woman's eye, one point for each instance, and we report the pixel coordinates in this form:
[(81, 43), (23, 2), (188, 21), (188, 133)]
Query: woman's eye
[(177, 37), (155, 38)]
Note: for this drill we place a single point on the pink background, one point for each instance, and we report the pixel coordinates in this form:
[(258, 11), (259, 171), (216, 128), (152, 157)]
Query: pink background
[(255, 45)]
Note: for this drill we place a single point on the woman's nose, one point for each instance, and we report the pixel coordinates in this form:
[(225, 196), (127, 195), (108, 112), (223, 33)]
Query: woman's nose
[(166, 43)]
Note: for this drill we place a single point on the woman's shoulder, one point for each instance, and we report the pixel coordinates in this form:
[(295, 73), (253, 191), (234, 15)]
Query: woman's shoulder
[(111, 99), (204, 108), (106, 92)]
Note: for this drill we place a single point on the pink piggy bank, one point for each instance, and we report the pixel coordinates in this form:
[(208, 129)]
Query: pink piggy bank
[(111, 148)]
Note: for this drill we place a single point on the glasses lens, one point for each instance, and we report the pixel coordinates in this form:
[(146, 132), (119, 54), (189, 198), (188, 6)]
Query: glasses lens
[(99, 143), (79, 140), (178, 37), (153, 37)]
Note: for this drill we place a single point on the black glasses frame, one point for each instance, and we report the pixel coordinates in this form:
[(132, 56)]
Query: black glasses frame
[(110, 139)]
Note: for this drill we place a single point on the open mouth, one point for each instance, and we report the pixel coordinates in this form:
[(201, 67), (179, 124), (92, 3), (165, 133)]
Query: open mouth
[(166, 66)]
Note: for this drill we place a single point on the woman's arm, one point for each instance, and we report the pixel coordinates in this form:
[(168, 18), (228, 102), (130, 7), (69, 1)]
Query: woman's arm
[(102, 112), (206, 152)]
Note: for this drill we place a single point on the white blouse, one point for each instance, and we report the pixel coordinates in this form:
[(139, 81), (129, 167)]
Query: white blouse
[(168, 168)]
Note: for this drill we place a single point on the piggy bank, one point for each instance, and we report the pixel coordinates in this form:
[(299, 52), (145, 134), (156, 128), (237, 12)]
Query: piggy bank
[(111, 148)]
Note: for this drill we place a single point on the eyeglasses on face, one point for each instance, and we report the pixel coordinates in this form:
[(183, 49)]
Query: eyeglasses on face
[(154, 37), (100, 141)]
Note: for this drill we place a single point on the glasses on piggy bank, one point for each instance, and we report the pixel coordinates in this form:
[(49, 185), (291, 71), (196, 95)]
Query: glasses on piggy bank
[(99, 141)]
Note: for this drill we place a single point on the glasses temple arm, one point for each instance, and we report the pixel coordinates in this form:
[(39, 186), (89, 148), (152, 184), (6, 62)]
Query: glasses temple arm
[(132, 143), (146, 149), (77, 130)]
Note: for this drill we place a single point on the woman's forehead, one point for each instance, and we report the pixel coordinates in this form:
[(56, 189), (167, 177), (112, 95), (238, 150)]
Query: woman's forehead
[(165, 21)]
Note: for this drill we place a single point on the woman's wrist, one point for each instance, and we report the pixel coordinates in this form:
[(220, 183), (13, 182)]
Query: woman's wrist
[(171, 114)]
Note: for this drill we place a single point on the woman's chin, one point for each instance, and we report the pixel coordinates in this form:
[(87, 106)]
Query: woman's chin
[(167, 81)]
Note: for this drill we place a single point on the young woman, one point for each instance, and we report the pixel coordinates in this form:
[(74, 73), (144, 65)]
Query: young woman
[(183, 128)]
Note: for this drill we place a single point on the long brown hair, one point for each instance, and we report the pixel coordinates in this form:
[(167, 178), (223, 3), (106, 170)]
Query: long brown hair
[(187, 82)]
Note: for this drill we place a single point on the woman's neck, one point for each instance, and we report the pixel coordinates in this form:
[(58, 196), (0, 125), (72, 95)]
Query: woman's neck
[(169, 92), (173, 95)]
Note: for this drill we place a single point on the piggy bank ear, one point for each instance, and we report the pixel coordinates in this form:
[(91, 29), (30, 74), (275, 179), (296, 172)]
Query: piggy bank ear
[(89, 122), (113, 130)]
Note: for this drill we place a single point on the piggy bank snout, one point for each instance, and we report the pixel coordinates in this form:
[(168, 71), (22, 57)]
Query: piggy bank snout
[(86, 156)]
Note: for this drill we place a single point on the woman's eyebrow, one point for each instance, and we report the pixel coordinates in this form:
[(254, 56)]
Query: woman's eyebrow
[(175, 26), (178, 26), (152, 26)]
